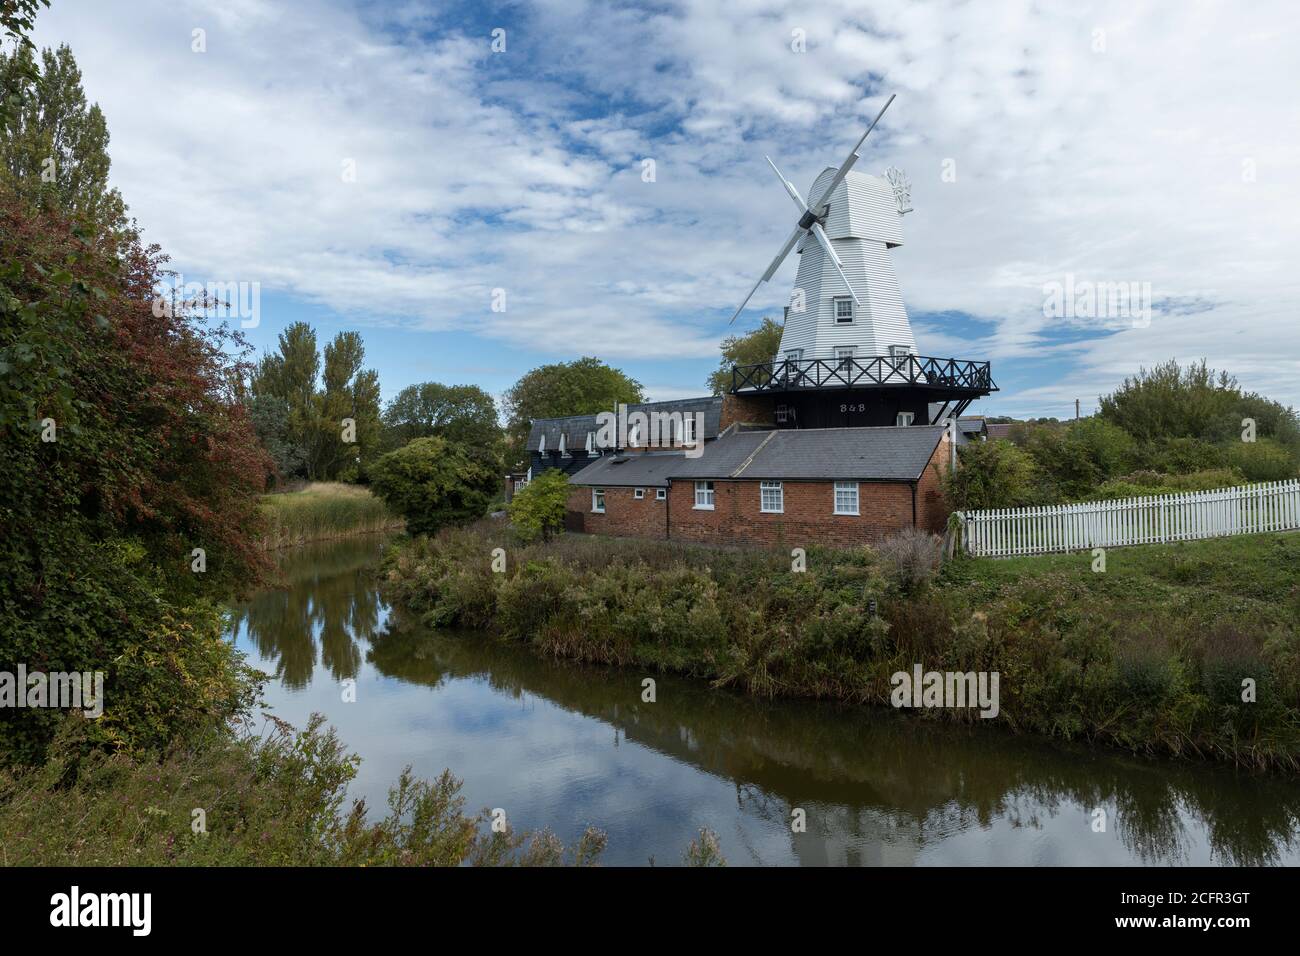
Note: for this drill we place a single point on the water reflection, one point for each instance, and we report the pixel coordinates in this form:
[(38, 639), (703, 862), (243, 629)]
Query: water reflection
[(563, 746)]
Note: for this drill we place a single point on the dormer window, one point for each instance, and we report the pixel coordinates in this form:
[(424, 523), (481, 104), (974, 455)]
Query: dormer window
[(564, 453), (591, 446), (541, 444), (904, 419), (688, 429), (843, 310)]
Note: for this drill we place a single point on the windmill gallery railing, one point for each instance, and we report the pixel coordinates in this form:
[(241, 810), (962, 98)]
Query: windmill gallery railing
[(1159, 519), (940, 374)]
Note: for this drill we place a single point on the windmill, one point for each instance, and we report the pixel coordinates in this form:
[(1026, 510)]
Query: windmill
[(847, 301)]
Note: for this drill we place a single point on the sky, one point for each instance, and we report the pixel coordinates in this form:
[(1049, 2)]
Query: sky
[(380, 167)]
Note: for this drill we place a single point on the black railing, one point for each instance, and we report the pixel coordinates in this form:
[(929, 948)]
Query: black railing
[(882, 370)]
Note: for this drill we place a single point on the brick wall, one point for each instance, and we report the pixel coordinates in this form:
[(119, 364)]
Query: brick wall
[(624, 514), (931, 508), (883, 509), (752, 409), (807, 518)]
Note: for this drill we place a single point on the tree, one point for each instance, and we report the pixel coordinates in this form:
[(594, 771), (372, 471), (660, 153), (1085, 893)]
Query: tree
[(1169, 401), (753, 348), (129, 492), (537, 509), (327, 405), (55, 146), (992, 474), (16, 20), (581, 387), (463, 414), (432, 483), (270, 417)]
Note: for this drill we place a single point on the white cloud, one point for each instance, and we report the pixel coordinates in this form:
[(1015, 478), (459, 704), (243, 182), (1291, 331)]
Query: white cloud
[(1124, 164)]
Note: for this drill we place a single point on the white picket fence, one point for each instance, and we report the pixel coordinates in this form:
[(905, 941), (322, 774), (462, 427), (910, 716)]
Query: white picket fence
[(1251, 509)]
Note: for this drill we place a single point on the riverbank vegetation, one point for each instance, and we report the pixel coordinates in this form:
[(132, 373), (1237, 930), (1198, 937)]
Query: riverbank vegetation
[(322, 511), (274, 797), (1149, 656)]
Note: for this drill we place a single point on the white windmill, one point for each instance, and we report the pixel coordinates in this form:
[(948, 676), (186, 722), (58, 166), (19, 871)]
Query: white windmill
[(846, 301)]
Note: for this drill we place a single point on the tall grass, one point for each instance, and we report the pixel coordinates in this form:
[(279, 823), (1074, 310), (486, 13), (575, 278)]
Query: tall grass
[(321, 511)]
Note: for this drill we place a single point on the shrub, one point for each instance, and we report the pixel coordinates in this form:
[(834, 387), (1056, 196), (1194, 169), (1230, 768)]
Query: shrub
[(432, 483), (1262, 460), (537, 509), (152, 455), (275, 799), (994, 474), (912, 557)]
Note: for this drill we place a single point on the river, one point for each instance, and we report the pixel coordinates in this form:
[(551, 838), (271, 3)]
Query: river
[(562, 746)]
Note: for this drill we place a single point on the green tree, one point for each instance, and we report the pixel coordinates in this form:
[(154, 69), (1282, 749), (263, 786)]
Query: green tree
[(322, 398), (1169, 401), (581, 387), (992, 474), (270, 417), (752, 348), (432, 483), (129, 491), (16, 20), (464, 414), (54, 145), (537, 509)]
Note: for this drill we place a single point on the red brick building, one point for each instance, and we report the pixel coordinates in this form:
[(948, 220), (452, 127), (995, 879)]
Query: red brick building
[(754, 484)]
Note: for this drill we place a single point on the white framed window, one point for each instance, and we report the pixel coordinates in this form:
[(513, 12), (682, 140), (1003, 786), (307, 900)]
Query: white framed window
[(541, 444), (794, 355), (638, 493), (771, 497), (564, 452), (592, 451), (905, 418), (843, 310), (661, 494), (846, 497), (598, 500), (844, 357), (704, 495), (519, 484), (688, 429), (782, 414), (898, 351)]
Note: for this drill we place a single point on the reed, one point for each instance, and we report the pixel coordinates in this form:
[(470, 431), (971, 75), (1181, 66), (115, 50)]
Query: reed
[(322, 511)]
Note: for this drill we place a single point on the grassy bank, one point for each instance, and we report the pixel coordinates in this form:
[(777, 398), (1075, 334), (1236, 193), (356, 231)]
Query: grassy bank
[(1149, 656), (321, 511), (268, 797)]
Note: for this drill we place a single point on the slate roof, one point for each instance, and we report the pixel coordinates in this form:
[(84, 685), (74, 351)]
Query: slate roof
[(648, 470), (576, 427), (889, 453)]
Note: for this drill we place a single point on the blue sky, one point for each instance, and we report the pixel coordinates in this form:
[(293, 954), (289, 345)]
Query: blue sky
[(1154, 143)]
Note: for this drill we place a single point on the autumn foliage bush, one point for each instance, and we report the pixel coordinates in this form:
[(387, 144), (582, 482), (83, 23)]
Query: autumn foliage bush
[(125, 449)]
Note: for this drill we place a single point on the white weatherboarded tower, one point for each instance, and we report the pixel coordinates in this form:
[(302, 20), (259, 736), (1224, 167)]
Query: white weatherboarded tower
[(846, 301)]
